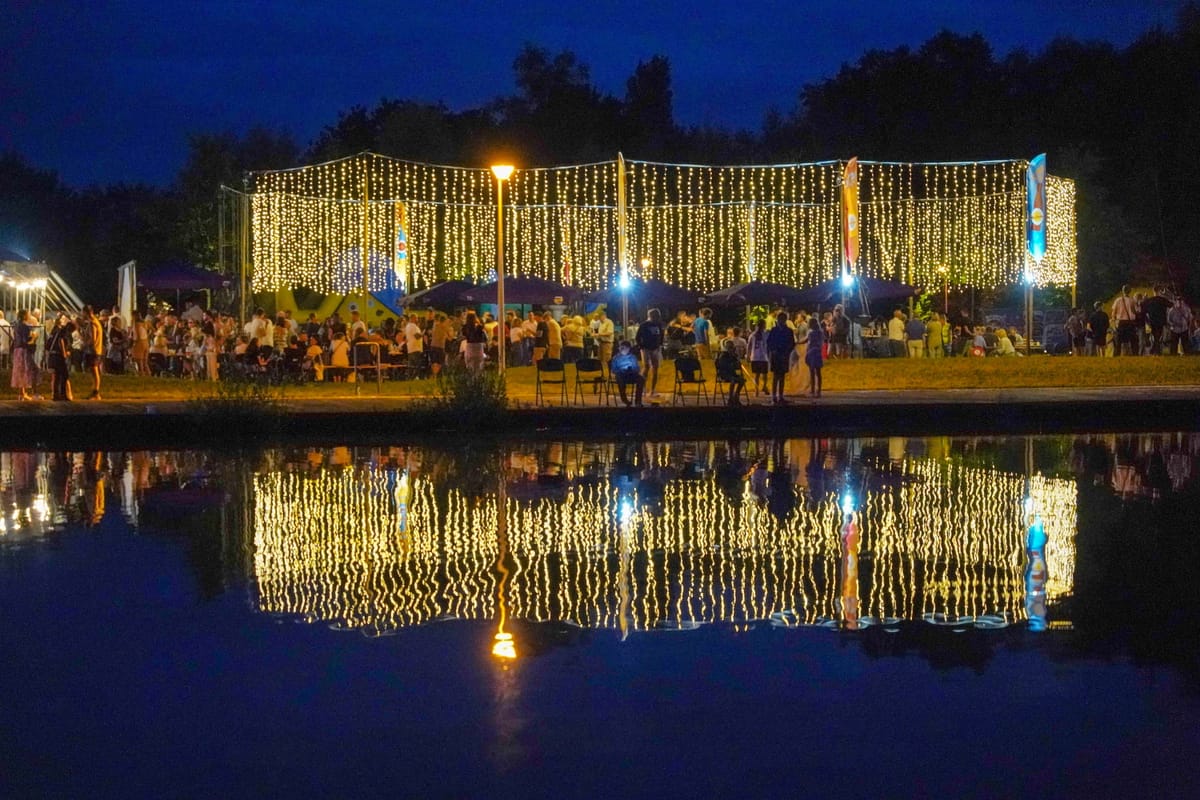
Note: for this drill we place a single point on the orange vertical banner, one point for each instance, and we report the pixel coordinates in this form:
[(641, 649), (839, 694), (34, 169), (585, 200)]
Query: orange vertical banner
[(850, 217)]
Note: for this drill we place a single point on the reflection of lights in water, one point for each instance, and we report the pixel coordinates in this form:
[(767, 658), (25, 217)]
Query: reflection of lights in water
[(948, 541), (504, 647)]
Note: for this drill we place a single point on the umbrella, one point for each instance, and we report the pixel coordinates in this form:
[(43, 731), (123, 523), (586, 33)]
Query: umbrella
[(755, 293), (876, 290), (649, 292), (440, 294), (522, 291), (179, 276)]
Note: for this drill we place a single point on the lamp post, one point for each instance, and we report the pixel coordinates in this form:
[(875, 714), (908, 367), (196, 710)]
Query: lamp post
[(502, 172), (945, 273)]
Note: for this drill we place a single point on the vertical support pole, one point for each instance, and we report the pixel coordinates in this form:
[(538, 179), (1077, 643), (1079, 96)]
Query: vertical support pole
[(622, 234), (366, 224), (501, 336), (752, 244), (221, 230), (245, 245), (1028, 316)]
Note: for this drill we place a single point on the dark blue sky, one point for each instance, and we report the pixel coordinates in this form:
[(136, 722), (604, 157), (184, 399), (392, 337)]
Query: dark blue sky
[(103, 91)]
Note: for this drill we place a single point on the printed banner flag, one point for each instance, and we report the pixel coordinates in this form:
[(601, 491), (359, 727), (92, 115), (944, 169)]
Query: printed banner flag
[(400, 264), (1035, 215), (850, 214)]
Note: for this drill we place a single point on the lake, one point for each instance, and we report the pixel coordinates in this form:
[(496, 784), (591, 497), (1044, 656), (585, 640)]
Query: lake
[(674, 618)]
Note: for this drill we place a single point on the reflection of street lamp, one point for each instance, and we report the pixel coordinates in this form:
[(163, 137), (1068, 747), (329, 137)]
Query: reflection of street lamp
[(502, 173)]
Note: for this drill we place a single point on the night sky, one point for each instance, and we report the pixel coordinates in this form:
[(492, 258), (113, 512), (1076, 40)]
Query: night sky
[(108, 91)]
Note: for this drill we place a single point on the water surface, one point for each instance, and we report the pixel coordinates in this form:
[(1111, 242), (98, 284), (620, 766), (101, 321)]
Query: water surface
[(759, 618)]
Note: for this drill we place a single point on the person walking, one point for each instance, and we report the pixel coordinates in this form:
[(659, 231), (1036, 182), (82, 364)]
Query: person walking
[(781, 342)]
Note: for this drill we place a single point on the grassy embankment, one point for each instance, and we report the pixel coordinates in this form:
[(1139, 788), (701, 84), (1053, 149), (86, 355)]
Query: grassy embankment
[(868, 374)]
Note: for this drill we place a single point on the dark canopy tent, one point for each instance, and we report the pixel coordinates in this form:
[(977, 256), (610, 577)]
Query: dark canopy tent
[(755, 293), (645, 293), (179, 276), (875, 290), (523, 291), (445, 294)]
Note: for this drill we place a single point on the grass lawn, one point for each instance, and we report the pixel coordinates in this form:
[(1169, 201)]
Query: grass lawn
[(872, 374)]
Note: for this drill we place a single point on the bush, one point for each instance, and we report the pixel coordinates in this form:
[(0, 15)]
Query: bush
[(470, 399)]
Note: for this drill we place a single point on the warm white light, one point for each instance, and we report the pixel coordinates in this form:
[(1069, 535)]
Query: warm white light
[(623, 282), (504, 646), (847, 279), (502, 171)]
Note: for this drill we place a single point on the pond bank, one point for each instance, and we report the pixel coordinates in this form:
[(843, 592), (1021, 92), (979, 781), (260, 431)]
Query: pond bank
[(128, 424)]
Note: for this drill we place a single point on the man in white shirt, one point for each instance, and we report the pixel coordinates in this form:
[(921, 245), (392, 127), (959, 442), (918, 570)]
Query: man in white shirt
[(896, 336), (414, 343), (357, 326), (1124, 314)]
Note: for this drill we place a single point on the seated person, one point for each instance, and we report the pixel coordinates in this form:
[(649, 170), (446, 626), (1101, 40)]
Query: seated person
[(625, 370), (314, 360), (1004, 345), (729, 369)]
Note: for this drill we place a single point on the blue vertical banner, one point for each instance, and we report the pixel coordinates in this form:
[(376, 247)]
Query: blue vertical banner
[(1035, 211)]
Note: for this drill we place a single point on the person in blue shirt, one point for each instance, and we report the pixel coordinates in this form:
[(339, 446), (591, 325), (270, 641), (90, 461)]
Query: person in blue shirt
[(702, 330), (625, 371)]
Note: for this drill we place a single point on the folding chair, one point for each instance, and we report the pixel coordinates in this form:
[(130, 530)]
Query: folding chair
[(689, 372), (721, 389), (589, 372), (550, 371)]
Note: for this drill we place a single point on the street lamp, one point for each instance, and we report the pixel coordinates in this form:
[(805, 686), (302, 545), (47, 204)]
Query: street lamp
[(945, 273), (502, 172)]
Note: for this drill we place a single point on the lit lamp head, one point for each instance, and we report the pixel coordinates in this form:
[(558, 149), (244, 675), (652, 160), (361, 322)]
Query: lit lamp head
[(847, 279), (502, 171)]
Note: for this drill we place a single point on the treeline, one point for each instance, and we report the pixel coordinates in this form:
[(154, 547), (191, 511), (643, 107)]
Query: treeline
[(1123, 122)]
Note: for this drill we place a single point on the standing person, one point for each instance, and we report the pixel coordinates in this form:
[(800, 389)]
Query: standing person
[(813, 357), (756, 349), (58, 355), (24, 342), (781, 342), (1076, 328), (438, 338), (554, 338), (414, 345), (896, 334), (475, 340), (92, 334), (1098, 327), (5, 341), (914, 331), (1124, 313), (650, 337), (140, 350), (541, 338), (604, 337), (702, 330), (1179, 323), (935, 346), (839, 339), (572, 333), (1156, 308)]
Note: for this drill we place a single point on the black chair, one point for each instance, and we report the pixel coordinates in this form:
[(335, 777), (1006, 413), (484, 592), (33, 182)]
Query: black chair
[(589, 372), (689, 372), (550, 371), (721, 386)]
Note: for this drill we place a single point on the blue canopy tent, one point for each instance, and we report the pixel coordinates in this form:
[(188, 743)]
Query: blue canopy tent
[(755, 293), (445, 294), (863, 292), (523, 291)]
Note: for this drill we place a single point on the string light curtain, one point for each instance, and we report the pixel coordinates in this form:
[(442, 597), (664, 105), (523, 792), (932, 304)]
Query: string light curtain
[(700, 227)]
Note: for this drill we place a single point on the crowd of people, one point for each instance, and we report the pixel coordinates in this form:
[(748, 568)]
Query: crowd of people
[(782, 348)]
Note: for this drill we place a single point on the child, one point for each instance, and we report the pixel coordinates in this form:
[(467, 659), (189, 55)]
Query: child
[(729, 369)]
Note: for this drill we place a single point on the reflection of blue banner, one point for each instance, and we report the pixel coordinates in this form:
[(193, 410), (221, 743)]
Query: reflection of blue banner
[(1035, 212)]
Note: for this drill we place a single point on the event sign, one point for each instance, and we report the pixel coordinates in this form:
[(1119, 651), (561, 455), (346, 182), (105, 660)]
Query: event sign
[(1035, 216), (850, 214)]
